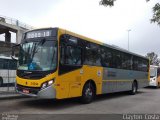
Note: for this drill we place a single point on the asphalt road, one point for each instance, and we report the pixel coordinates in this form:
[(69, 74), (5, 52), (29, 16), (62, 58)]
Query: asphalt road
[(146, 101)]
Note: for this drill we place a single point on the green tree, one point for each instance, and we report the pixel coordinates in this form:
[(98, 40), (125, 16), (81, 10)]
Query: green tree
[(154, 60), (156, 9)]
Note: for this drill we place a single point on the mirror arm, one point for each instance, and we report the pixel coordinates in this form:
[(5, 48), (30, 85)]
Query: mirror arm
[(13, 58), (12, 55)]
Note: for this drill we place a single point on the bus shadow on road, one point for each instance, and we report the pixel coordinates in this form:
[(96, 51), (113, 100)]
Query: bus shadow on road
[(52, 103), (71, 102), (115, 95), (151, 88)]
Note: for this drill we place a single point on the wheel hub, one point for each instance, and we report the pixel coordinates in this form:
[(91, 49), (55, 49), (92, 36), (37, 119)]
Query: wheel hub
[(88, 92)]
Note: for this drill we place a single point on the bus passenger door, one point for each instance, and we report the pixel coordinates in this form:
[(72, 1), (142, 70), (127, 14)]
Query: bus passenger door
[(69, 69), (74, 61)]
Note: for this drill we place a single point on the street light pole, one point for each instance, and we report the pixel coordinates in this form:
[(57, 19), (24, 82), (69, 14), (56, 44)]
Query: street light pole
[(128, 37)]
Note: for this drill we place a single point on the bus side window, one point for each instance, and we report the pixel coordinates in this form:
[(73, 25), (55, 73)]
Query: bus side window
[(135, 63), (118, 60), (12, 65), (73, 55), (106, 57), (92, 54), (117, 63), (144, 66), (6, 65), (1, 64), (62, 55)]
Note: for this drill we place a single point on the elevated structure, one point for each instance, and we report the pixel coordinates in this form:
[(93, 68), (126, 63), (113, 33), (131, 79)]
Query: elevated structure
[(8, 25), (5, 48)]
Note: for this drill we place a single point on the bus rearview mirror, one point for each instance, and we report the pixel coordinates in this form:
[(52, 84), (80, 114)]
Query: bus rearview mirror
[(15, 52)]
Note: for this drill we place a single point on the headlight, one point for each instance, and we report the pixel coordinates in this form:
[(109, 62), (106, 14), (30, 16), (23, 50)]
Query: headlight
[(44, 85), (48, 83)]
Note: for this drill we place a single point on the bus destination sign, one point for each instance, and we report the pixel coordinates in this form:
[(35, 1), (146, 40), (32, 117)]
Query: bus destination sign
[(38, 33)]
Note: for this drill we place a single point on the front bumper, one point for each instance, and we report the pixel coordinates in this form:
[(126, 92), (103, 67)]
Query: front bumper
[(152, 84), (46, 93)]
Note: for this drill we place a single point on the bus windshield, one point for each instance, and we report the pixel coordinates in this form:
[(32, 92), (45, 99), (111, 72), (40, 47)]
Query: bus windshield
[(152, 72), (38, 55)]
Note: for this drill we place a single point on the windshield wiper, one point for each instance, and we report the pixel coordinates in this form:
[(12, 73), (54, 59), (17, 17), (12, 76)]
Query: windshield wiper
[(35, 47)]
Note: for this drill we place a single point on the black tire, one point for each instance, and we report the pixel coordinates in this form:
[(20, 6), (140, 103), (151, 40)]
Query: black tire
[(134, 88), (158, 84), (88, 93), (1, 82), (156, 87)]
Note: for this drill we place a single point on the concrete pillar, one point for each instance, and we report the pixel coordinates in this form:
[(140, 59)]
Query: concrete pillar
[(8, 37), (19, 36)]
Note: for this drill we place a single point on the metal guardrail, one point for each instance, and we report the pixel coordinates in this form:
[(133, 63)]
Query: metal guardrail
[(15, 22)]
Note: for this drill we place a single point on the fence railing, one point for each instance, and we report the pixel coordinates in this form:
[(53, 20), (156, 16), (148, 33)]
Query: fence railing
[(16, 22)]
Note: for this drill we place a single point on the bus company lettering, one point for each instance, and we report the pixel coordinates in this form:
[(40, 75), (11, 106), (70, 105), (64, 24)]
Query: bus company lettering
[(111, 74)]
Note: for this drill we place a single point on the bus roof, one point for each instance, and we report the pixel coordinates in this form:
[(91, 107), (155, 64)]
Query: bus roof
[(100, 43), (64, 31), (5, 57), (154, 66)]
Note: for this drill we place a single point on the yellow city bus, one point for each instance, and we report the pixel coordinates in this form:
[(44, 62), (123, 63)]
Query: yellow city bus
[(56, 63)]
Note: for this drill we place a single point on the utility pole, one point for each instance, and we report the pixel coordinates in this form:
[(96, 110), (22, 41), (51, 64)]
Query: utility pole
[(128, 37)]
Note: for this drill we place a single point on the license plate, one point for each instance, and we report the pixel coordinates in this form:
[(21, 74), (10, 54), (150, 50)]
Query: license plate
[(25, 91)]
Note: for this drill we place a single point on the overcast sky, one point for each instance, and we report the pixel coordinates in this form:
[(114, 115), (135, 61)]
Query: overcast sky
[(88, 18)]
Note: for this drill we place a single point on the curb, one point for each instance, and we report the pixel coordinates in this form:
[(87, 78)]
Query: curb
[(11, 96)]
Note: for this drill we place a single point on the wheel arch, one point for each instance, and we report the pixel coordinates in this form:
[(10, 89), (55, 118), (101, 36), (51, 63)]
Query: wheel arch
[(92, 82), (135, 80)]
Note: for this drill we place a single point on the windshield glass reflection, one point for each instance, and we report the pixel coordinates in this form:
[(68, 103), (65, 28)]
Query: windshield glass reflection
[(38, 56)]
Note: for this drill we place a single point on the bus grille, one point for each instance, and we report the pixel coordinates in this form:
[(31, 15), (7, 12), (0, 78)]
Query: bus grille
[(34, 75)]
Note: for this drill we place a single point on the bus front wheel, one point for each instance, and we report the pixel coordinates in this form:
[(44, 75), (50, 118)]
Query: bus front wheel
[(88, 93)]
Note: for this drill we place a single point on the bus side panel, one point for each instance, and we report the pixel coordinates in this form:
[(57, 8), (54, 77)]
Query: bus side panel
[(8, 76), (12, 76), (62, 88), (93, 73), (142, 78), (116, 80), (72, 83)]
